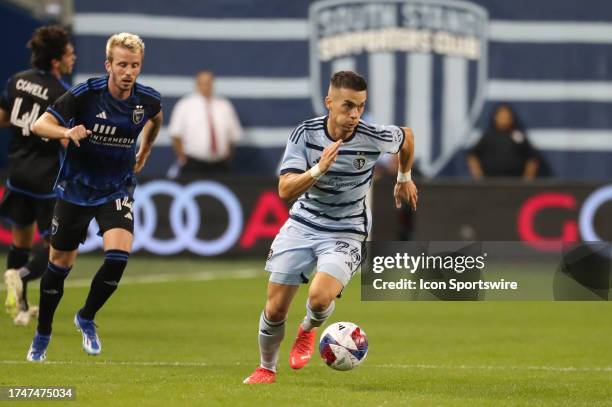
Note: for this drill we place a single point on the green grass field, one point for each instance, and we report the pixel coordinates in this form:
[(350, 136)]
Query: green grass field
[(184, 332)]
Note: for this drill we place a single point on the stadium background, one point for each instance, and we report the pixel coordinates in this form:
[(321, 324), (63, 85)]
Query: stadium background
[(549, 59), (176, 331)]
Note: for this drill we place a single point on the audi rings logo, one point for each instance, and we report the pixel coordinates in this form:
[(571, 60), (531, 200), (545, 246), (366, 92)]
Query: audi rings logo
[(185, 219)]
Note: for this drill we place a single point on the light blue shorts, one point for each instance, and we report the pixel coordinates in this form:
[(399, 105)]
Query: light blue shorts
[(297, 251)]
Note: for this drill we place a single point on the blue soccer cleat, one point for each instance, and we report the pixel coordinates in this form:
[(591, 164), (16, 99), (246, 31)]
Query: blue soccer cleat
[(91, 342), (38, 348)]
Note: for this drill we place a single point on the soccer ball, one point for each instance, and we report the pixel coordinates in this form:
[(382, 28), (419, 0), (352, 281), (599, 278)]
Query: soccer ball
[(343, 346)]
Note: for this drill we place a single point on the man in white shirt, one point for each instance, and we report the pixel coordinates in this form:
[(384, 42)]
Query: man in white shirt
[(204, 129)]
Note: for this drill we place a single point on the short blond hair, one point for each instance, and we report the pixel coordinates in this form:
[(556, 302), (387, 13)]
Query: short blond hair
[(126, 40)]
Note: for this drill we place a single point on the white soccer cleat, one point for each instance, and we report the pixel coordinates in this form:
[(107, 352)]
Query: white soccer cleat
[(14, 291), (23, 317)]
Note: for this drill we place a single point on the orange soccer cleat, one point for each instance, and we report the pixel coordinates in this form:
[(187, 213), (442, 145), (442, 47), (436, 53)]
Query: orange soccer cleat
[(261, 375), (302, 349)]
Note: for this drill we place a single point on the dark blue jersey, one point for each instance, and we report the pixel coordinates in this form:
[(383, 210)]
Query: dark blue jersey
[(102, 168)]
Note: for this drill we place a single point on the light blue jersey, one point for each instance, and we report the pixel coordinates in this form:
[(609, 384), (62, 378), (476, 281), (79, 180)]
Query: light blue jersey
[(336, 203)]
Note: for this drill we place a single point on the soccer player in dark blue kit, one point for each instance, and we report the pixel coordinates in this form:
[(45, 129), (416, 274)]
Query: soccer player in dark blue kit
[(33, 164), (102, 118)]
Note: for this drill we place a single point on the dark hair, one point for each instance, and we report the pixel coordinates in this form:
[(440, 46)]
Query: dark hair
[(47, 43), (517, 123), (348, 80)]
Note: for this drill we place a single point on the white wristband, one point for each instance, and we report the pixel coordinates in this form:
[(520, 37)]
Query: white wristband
[(315, 172), (404, 176)]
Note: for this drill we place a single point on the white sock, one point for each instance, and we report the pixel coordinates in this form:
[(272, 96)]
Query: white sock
[(271, 335), (23, 272), (315, 319)]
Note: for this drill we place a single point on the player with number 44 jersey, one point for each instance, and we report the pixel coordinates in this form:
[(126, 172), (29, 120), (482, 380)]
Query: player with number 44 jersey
[(29, 198), (102, 119)]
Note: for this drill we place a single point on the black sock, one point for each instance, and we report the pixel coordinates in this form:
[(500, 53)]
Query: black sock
[(38, 263), (105, 282), (34, 269), (17, 257), (51, 291), (24, 297)]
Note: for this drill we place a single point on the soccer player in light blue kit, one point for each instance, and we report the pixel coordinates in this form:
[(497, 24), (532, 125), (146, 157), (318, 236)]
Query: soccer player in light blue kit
[(328, 166), (102, 118)]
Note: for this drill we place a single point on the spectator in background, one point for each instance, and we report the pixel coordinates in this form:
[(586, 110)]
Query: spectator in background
[(204, 129), (503, 150)]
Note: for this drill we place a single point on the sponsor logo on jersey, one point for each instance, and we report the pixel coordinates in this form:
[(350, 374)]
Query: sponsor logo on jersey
[(104, 129), (339, 182), (101, 115), (105, 135)]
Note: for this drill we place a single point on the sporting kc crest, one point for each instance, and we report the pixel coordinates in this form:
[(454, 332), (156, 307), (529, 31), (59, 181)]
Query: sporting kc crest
[(359, 162), (425, 62)]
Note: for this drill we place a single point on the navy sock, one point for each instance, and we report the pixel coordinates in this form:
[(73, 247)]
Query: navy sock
[(51, 292), (105, 283), (17, 257), (37, 264), (34, 269)]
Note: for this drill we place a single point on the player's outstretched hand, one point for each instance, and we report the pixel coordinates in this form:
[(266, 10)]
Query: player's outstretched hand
[(407, 192), (77, 133), (141, 159), (329, 155)]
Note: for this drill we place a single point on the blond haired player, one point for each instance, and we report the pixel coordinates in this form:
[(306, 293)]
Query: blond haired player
[(102, 119)]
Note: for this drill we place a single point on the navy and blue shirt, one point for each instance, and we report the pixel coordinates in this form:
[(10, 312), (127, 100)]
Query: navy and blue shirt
[(33, 161), (102, 168)]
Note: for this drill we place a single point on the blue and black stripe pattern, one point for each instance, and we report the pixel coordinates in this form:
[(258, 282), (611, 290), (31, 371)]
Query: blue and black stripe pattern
[(101, 169), (116, 255), (62, 271), (95, 84), (382, 135), (147, 90), (90, 84), (308, 125)]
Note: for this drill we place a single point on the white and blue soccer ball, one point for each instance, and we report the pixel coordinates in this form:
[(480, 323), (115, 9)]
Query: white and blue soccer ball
[(343, 346)]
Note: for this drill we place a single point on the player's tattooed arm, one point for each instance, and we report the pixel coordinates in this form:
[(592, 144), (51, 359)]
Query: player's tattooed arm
[(292, 185), (4, 118), (149, 134), (406, 191), (48, 126)]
